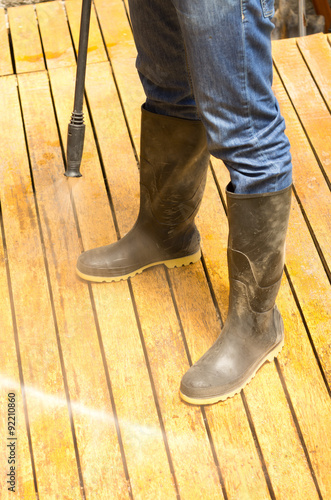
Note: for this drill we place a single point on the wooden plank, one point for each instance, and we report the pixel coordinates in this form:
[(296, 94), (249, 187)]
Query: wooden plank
[(55, 35), (96, 51), (115, 28), (308, 179), (6, 67), (49, 423), (160, 329), (26, 40), (149, 472), (133, 97), (122, 52), (94, 421), (122, 166), (306, 98), (317, 54)]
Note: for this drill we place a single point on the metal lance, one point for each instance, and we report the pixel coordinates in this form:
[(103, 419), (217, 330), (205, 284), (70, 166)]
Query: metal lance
[(76, 127)]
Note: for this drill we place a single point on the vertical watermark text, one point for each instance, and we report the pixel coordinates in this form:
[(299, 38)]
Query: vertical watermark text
[(11, 442)]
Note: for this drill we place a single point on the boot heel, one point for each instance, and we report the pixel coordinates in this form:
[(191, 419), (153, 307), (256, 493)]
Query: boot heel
[(183, 261)]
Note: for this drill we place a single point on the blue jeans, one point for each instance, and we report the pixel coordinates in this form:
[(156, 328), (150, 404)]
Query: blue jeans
[(211, 60)]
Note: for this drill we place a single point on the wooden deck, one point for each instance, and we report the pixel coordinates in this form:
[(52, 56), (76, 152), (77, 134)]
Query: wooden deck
[(96, 368)]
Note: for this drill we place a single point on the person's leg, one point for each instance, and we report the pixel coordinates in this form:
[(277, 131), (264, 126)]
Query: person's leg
[(253, 331), (229, 54), (174, 156), (161, 60)]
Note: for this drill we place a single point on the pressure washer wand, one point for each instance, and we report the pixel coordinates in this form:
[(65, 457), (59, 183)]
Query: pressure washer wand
[(76, 127)]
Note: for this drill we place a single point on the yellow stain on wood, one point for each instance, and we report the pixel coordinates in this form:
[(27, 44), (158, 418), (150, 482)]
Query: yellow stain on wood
[(96, 50), (25, 38), (55, 34)]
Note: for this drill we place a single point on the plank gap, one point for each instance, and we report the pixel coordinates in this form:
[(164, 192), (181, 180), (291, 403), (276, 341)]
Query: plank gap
[(213, 450), (94, 311), (296, 299), (219, 189), (126, 8), (211, 290), (6, 63), (258, 446), (297, 426), (103, 169), (41, 38), (54, 34), (312, 234), (313, 78), (70, 33), (11, 48), (109, 384), (118, 90), (187, 351), (63, 153)]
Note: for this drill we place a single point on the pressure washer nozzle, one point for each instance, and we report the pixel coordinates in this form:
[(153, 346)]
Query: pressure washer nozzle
[(75, 144)]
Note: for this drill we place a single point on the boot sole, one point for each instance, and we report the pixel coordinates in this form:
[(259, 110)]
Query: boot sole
[(182, 261), (215, 399)]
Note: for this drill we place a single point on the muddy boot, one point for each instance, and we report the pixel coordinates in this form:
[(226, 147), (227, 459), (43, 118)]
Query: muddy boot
[(174, 161), (253, 331)]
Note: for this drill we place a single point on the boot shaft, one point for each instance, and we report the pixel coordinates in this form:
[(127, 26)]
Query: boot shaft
[(174, 161), (256, 249)]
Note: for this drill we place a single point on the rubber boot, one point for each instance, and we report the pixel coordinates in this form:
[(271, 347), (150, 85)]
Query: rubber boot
[(253, 331), (174, 161)]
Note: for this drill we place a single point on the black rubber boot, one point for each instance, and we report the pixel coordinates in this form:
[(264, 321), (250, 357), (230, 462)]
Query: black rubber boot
[(174, 161), (253, 331)]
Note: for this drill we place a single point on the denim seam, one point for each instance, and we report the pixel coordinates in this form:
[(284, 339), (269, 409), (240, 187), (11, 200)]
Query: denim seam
[(191, 82), (198, 113), (253, 134), (245, 73)]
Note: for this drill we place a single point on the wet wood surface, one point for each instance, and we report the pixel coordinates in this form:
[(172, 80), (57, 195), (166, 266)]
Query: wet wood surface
[(96, 367)]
